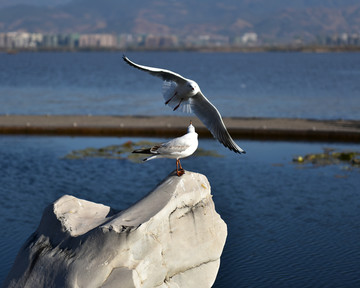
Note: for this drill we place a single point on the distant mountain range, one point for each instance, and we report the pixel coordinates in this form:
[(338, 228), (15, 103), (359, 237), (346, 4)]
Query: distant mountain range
[(279, 20)]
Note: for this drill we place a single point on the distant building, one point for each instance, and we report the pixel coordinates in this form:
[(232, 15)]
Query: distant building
[(206, 40), (249, 38), (151, 41), (50, 41), (166, 41), (36, 39), (68, 40), (126, 40), (20, 40), (340, 40), (354, 39), (2, 40), (97, 41)]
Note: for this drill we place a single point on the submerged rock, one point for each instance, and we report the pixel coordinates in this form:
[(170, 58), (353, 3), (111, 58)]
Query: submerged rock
[(173, 237)]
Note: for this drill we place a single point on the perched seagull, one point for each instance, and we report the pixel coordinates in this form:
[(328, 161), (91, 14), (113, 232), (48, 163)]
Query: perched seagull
[(177, 148), (181, 92)]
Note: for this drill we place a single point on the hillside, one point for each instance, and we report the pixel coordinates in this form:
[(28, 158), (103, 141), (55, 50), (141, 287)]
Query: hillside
[(281, 20)]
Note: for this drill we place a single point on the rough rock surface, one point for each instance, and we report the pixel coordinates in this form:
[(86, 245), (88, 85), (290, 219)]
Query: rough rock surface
[(173, 237)]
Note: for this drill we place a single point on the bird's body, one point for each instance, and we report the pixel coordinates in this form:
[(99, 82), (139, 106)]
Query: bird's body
[(176, 148), (180, 92)]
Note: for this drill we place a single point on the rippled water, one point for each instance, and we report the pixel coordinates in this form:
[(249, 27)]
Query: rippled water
[(288, 225), (300, 85)]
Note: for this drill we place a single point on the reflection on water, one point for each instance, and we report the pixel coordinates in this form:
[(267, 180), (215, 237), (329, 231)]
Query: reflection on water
[(288, 226)]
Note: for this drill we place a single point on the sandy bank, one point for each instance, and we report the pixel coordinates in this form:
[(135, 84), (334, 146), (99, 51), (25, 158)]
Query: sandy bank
[(171, 126)]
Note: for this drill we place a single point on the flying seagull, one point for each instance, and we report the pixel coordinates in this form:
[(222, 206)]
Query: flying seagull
[(185, 93), (177, 148)]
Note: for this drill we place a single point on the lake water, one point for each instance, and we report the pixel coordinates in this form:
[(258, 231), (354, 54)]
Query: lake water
[(289, 225), (300, 85)]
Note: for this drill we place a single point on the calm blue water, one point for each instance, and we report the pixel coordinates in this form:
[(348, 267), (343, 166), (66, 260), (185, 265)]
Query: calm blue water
[(288, 225), (301, 85)]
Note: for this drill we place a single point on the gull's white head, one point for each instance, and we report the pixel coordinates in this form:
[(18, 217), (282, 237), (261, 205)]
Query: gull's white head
[(193, 86), (191, 128)]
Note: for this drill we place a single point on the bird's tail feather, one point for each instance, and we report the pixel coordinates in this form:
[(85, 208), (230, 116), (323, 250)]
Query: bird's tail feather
[(149, 158), (142, 151), (145, 151)]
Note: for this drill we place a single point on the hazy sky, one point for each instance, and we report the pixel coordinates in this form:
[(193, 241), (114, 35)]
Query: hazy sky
[(4, 3), (284, 3)]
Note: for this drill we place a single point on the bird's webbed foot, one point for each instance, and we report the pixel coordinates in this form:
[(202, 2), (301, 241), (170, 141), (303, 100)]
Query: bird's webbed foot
[(177, 106), (167, 102), (180, 172)]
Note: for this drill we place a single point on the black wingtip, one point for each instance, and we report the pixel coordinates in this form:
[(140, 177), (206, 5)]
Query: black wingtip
[(235, 149), (238, 151), (142, 151), (241, 151), (127, 60)]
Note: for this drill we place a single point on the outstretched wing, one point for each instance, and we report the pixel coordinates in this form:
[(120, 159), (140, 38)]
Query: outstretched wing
[(166, 75), (211, 118)]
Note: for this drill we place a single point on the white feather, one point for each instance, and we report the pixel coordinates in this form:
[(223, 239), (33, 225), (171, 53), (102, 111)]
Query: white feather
[(168, 89), (186, 107), (184, 94)]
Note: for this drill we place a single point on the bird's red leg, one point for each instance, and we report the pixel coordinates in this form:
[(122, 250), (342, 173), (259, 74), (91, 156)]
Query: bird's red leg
[(180, 165), (177, 167), (181, 171), (167, 102), (177, 106)]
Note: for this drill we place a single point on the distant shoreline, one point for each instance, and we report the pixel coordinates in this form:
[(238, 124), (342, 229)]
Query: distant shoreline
[(265, 129), (229, 49)]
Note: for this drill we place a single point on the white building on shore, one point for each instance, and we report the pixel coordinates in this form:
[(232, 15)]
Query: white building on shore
[(97, 40), (20, 40)]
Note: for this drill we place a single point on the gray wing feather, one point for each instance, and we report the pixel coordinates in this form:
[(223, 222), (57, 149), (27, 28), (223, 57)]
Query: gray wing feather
[(166, 75), (211, 118), (174, 145)]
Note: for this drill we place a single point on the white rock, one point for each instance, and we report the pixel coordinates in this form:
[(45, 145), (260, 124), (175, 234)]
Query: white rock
[(173, 237)]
